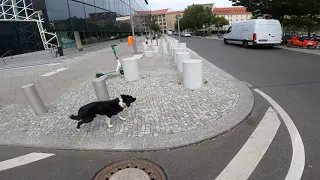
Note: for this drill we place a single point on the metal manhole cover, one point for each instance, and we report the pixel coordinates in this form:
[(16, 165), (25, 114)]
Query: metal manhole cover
[(154, 171)]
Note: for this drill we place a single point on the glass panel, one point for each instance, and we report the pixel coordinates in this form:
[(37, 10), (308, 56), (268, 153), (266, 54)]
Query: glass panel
[(90, 16), (99, 3), (78, 17), (106, 4), (112, 6), (89, 2), (58, 15)]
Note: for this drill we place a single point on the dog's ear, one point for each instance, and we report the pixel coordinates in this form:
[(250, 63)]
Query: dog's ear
[(134, 99)]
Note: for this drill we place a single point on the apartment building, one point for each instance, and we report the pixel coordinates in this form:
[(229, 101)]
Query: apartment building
[(171, 18), (232, 14)]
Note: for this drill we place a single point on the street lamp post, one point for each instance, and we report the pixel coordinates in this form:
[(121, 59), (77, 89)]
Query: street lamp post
[(132, 29), (178, 18)]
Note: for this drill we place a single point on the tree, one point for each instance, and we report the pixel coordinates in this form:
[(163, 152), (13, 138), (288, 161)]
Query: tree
[(220, 21), (309, 10), (151, 23), (196, 16)]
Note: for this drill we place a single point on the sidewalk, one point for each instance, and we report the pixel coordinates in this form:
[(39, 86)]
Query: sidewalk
[(303, 50), (79, 68), (165, 115)]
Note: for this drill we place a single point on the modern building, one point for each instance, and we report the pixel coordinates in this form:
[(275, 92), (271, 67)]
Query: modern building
[(63, 21), (232, 14), (159, 15), (171, 19), (209, 5)]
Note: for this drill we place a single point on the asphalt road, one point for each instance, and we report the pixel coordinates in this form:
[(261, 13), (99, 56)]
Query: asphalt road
[(291, 78)]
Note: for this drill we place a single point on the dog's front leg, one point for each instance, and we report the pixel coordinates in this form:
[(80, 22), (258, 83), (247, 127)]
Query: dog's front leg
[(108, 122)]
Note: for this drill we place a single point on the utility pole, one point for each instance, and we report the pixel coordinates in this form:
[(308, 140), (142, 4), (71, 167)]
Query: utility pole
[(132, 29)]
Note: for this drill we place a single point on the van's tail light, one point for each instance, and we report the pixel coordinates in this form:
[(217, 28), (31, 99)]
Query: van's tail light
[(254, 36)]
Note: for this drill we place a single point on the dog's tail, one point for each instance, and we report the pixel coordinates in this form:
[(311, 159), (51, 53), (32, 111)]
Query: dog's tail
[(75, 117)]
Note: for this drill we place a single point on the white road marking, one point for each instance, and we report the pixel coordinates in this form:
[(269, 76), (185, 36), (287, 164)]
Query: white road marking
[(22, 160), (249, 156), (298, 154), (54, 72), (53, 64)]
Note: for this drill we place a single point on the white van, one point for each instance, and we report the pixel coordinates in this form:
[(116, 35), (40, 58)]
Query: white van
[(255, 32)]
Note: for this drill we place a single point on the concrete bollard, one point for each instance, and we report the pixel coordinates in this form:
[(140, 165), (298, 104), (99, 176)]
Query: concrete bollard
[(131, 69), (175, 51), (145, 46), (192, 74), (154, 42), (32, 96), (183, 46), (182, 56), (149, 42), (149, 54), (165, 48), (100, 87), (171, 50), (156, 49)]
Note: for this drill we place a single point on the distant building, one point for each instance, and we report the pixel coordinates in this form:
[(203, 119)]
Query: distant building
[(232, 14), (171, 18), (159, 15), (209, 5)]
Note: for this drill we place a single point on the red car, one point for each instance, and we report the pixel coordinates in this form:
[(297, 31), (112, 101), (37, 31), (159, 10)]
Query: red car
[(299, 42)]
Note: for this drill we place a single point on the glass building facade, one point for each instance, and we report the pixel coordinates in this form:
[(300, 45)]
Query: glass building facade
[(95, 20)]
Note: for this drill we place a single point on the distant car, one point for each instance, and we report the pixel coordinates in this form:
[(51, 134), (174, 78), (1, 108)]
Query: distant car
[(187, 35)]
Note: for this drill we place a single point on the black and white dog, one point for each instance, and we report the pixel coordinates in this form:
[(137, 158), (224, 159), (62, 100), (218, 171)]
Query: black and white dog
[(111, 108)]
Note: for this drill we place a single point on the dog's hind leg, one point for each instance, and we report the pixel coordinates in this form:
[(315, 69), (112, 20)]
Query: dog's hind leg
[(108, 122), (79, 124)]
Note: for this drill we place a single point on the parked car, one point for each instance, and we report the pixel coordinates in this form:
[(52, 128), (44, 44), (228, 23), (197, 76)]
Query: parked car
[(302, 41), (256, 32), (187, 35), (285, 38)]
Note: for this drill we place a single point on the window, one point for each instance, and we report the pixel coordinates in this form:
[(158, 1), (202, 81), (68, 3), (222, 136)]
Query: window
[(58, 12), (236, 11), (241, 11), (91, 16), (78, 17), (229, 30)]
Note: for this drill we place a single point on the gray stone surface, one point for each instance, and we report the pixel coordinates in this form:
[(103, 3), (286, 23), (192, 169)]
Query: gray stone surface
[(165, 115)]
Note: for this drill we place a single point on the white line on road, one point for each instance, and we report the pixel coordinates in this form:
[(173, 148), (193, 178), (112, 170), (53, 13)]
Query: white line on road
[(54, 72), (243, 164), (298, 154), (22, 160)]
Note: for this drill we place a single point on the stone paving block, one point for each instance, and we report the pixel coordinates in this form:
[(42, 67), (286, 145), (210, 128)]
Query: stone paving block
[(8, 97), (59, 82), (20, 98), (6, 83), (65, 76), (16, 82), (47, 85)]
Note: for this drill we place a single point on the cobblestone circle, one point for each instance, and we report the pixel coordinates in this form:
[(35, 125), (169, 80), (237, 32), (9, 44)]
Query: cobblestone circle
[(163, 107)]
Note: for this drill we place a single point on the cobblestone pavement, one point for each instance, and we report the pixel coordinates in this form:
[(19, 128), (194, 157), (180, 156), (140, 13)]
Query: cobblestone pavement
[(165, 112)]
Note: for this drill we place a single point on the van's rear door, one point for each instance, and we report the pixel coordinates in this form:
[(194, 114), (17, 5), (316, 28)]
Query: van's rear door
[(268, 32), (275, 32)]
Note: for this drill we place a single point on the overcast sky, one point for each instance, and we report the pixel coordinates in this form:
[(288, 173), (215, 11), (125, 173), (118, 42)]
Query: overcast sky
[(182, 4)]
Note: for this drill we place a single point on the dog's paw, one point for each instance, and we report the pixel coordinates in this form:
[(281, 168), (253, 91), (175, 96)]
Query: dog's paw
[(78, 130), (110, 125), (122, 118)]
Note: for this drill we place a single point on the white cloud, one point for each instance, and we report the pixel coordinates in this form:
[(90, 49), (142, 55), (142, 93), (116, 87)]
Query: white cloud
[(182, 4)]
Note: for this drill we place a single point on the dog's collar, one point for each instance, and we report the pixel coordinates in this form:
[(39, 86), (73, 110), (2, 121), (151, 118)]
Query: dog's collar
[(121, 103)]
